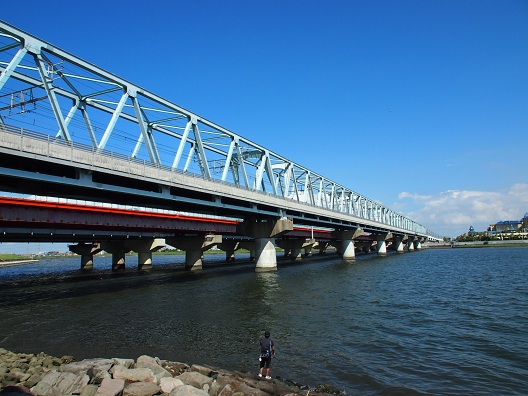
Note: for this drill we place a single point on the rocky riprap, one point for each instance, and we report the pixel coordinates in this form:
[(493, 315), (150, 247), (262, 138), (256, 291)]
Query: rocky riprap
[(44, 375)]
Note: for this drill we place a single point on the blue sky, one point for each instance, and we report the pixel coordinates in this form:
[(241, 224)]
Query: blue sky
[(420, 105)]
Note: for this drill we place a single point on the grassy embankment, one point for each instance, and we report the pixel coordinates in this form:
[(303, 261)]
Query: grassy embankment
[(13, 257)]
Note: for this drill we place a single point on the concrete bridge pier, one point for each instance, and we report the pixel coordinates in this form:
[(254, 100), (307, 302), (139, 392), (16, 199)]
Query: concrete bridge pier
[(410, 244), (347, 249), (86, 251), (381, 239), (118, 249), (397, 241), (295, 246), (322, 246), (248, 245), (309, 243), (264, 231), (265, 255), (418, 244), (144, 249), (229, 248), (194, 247)]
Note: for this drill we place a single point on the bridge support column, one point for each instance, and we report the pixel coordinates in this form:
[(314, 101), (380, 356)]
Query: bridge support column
[(144, 249), (381, 239), (230, 253), (322, 247), (418, 244), (229, 248), (398, 243), (295, 246), (118, 249), (265, 255), (86, 251), (410, 244), (347, 249), (265, 231), (307, 246), (194, 247), (249, 245)]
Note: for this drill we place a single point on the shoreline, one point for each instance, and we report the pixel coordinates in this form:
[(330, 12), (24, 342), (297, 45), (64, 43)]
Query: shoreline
[(44, 375), (12, 263)]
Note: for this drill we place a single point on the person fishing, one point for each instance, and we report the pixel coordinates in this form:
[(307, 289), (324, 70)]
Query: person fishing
[(267, 350)]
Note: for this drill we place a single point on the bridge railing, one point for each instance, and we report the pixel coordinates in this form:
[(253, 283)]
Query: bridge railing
[(79, 105)]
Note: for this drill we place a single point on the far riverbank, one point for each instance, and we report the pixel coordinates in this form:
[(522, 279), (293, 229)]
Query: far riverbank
[(476, 244)]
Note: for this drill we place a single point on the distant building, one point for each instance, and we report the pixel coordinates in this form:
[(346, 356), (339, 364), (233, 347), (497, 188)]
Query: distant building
[(508, 225), (471, 229)]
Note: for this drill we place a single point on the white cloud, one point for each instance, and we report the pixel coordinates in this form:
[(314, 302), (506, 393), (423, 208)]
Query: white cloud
[(413, 196), (451, 212)]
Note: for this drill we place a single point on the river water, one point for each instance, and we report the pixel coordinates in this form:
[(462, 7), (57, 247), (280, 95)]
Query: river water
[(430, 322)]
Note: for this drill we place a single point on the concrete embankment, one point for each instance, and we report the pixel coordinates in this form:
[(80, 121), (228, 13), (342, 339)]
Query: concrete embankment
[(17, 262), (44, 375)]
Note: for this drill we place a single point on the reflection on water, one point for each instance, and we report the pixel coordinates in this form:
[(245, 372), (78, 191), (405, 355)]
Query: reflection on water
[(431, 322), (267, 287)]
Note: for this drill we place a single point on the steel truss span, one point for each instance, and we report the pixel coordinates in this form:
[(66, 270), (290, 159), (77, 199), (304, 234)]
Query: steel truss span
[(46, 89)]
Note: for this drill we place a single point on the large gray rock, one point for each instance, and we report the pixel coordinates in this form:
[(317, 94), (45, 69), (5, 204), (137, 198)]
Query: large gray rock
[(215, 388), (141, 389), (195, 379), (111, 387), (89, 390), (245, 385), (202, 370), (188, 390), (154, 364), (175, 368), (226, 391), (97, 369), (128, 363), (168, 384), (134, 375), (55, 382), (87, 364)]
